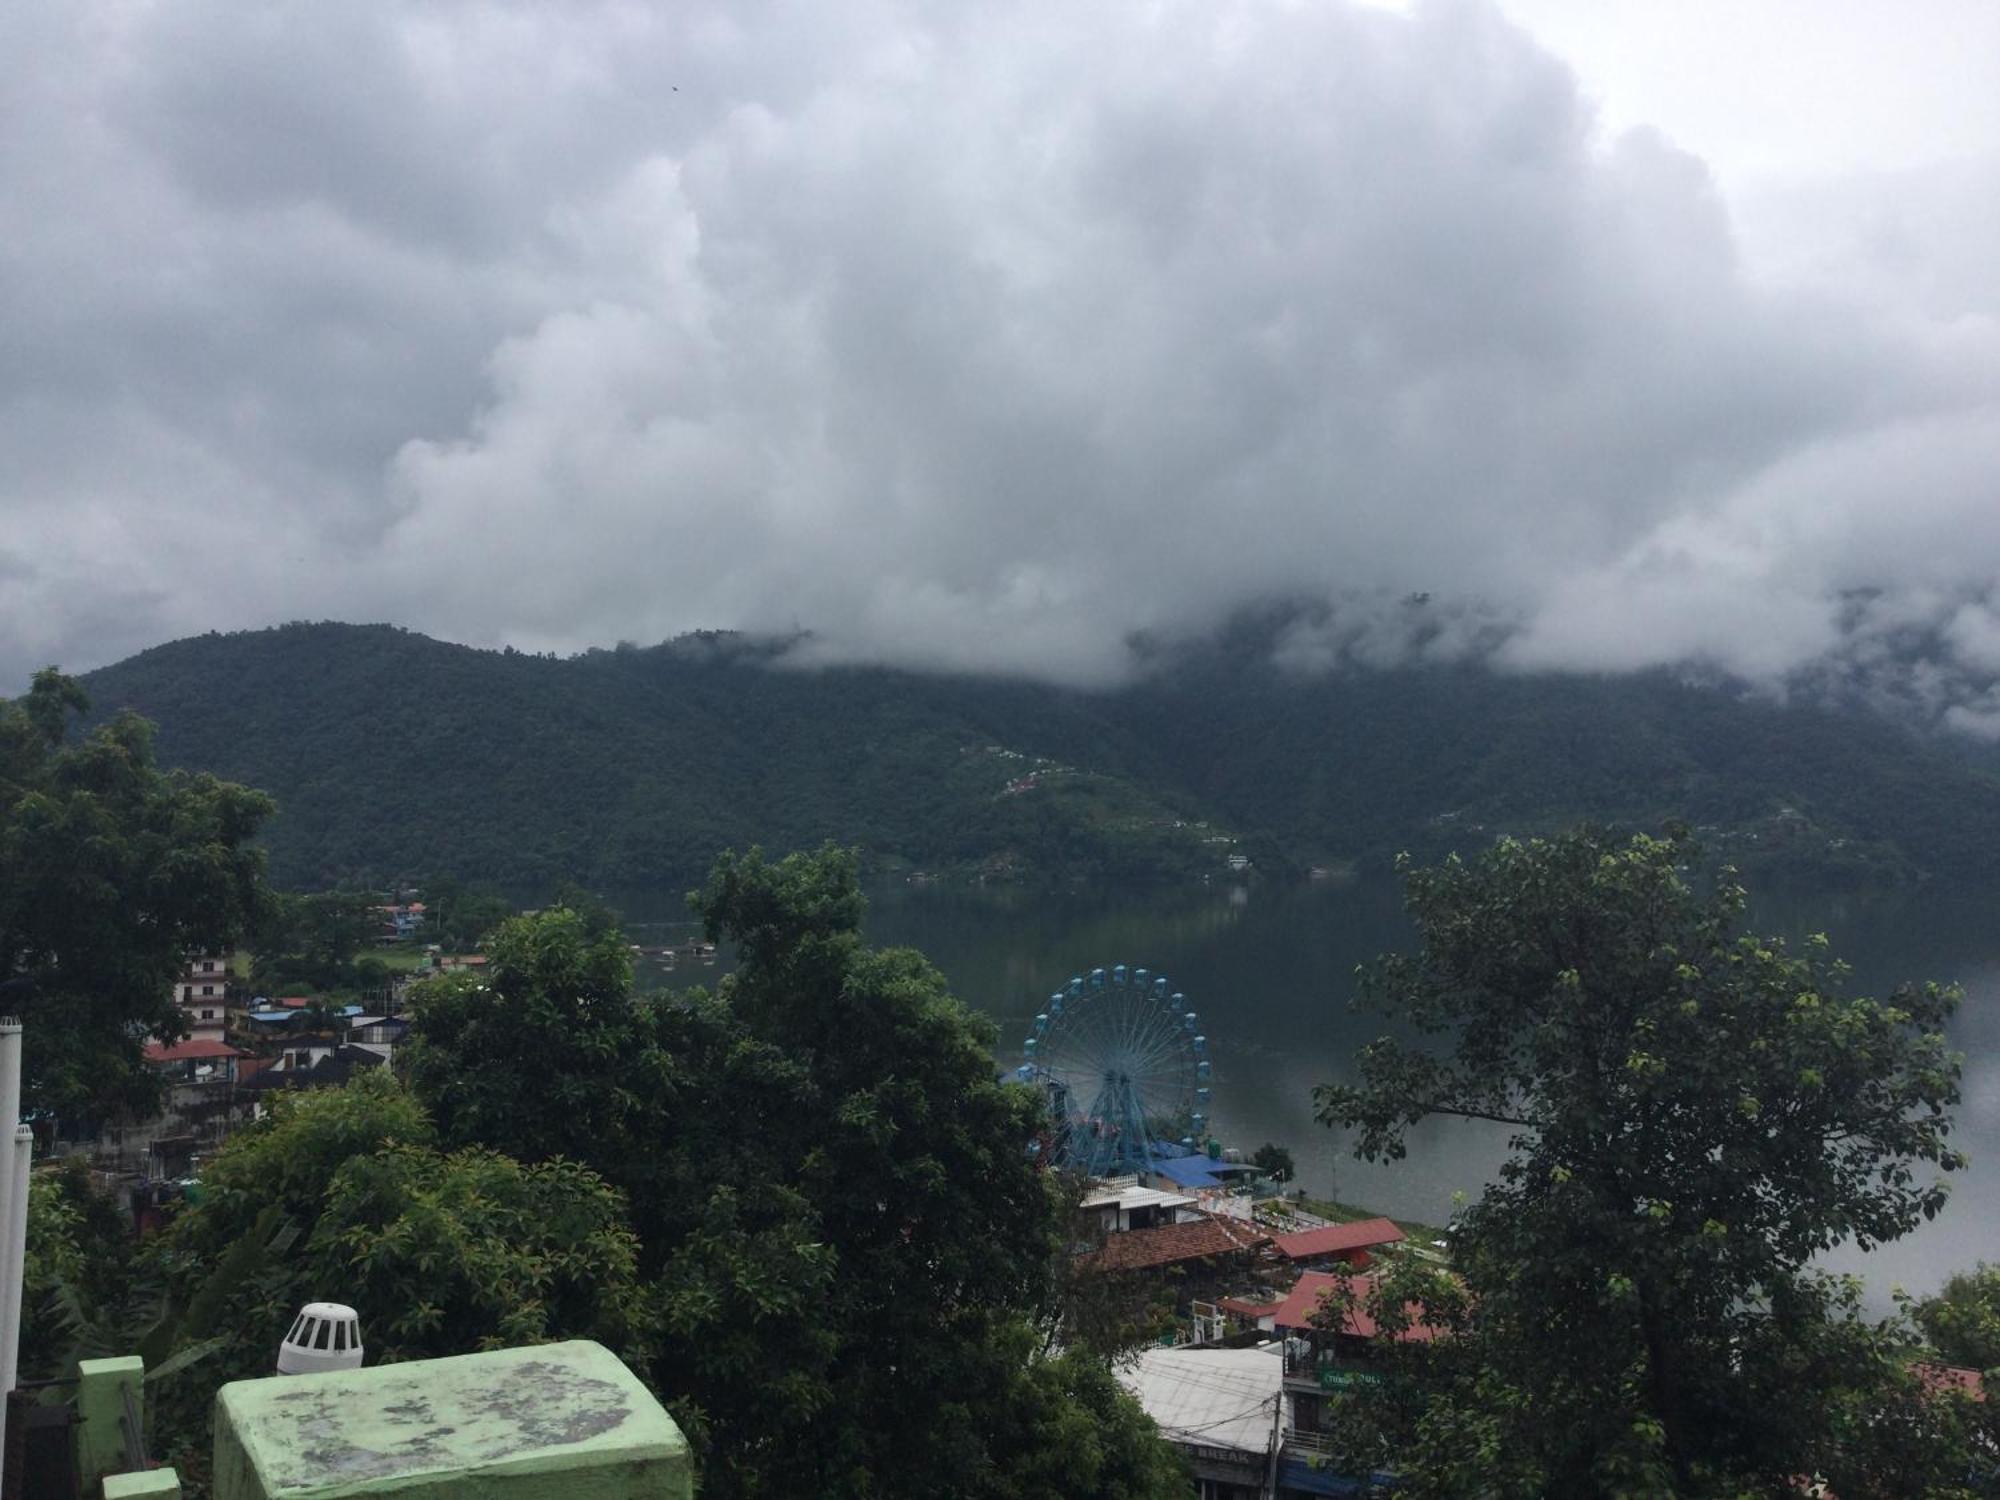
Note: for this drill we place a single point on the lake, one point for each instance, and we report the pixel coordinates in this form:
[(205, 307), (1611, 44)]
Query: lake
[(1269, 967)]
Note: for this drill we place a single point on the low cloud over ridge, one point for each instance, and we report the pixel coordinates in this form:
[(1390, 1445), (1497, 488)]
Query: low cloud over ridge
[(985, 336)]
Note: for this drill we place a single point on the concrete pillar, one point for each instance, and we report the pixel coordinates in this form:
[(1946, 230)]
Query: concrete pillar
[(100, 1404), (14, 1256), (9, 1119)]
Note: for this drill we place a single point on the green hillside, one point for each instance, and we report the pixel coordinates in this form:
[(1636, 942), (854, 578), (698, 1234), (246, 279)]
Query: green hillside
[(393, 754)]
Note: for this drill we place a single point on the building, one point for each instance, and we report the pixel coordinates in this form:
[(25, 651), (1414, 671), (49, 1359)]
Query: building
[(1323, 1355), (1213, 1238), (1349, 1244), (202, 992), (202, 1105), (1231, 1413), (379, 1034), (1118, 1205), (401, 922)]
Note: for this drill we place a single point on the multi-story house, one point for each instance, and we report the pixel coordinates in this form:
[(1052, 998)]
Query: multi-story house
[(203, 994)]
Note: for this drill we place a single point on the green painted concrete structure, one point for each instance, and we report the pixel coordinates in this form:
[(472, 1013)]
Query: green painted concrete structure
[(145, 1484), (101, 1387), (546, 1422)]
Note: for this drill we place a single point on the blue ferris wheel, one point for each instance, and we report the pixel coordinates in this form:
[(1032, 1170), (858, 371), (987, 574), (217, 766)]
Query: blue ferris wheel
[(1122, 1066)]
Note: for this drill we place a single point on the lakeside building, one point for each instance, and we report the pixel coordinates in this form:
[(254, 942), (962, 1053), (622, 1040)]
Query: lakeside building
[(1352, 1244)]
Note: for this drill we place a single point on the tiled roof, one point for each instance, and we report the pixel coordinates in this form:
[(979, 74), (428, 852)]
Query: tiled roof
[(1332, 1239), (196, 1049), (1165, 1244)]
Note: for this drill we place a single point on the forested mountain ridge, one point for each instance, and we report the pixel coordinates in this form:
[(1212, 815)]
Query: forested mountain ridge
[(393, 754)]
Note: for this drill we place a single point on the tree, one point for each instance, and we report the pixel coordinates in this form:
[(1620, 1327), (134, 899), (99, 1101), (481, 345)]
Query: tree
[(1275, 1161), (847, 1243), (1697, 1112), (473, 1250), (315, 942), (458, 917), (1963, 1320), (79, 1263), (342, 1195), (111, 873), (540, 1056)]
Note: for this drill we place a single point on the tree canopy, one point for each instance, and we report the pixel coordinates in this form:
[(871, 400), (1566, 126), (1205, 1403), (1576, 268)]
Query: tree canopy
[(1698, 1111), (111, 872)]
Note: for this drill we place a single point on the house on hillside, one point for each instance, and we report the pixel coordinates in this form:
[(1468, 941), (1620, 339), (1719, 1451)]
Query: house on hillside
[(401, 922), (313, 1065), (379, 1034), (202, 992), (202, 1105), (198, 1062)]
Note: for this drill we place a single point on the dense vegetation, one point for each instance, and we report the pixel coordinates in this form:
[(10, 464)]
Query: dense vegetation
[(800, 1208), (394, 755)]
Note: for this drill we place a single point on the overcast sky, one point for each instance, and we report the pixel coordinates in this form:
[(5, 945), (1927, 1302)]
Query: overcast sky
[(995, 334)]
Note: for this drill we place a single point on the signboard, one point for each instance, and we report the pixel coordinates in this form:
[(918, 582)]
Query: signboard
[(1332, 1379)]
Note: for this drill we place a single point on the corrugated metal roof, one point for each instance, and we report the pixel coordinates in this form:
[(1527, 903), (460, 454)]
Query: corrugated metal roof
[(1129, 1197), (1331, 1239), (1200, 1171), (1220, 1398)]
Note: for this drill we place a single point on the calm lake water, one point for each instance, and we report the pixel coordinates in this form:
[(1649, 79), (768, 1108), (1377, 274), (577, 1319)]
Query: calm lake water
[(1270, 970)]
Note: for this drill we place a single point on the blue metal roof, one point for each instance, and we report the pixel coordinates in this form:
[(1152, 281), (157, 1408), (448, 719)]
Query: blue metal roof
[(271, 1015), (1189, 1171)]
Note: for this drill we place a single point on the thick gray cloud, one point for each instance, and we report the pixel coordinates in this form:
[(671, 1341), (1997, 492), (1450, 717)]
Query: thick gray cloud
[(982, 335)]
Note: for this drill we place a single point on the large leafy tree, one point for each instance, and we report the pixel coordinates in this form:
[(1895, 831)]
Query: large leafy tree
[(342, 1195), (1697, 1111), (111, 872), (1963, 1320), (847, 1240), (316, 942)]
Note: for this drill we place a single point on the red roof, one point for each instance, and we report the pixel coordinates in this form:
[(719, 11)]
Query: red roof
[(196, 1049), (1939, 1378), (296, 1002), (1333, 1239), (1164, 1244), (1304, 1299)]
